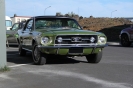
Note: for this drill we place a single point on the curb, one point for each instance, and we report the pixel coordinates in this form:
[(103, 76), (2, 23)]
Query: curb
[(113, 43)]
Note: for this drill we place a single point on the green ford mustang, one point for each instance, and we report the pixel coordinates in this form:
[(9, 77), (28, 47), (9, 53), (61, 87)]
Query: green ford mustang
[(52, 36)]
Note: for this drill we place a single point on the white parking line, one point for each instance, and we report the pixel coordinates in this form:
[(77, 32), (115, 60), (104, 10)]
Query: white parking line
[(4, 76), (103, 83), (19, 65)]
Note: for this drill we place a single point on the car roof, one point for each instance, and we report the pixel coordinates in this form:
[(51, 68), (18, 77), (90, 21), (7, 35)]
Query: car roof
[(51, 17)]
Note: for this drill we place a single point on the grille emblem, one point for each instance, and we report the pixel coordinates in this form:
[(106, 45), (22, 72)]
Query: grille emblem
[(76, 39)]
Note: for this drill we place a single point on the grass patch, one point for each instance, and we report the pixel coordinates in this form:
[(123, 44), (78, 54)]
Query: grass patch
[(4, 69)]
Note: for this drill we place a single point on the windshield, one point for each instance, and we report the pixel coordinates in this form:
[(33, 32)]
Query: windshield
[(8, 23), (63, 23)]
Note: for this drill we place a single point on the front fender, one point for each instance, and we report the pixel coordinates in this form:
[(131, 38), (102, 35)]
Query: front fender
[(125, 32)]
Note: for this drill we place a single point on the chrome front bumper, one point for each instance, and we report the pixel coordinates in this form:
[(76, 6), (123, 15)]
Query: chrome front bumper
[(92, 46)]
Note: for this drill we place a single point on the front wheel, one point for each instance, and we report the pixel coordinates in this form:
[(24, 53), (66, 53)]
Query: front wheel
[(94, 58), (37, 56), (125, 41)]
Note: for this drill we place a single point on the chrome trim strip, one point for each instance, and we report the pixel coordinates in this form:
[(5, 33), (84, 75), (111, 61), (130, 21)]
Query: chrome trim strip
[(74, 35), (27, 50), (70, 39), (94, 46)]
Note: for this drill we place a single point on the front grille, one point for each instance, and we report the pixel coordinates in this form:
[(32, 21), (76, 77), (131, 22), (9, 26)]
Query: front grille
[(75, 39)]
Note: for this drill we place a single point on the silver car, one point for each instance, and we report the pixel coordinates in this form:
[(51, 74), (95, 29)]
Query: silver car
[(11, 34)]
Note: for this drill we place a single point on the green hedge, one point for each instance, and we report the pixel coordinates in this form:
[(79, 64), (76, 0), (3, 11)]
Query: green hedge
[(113, 33)]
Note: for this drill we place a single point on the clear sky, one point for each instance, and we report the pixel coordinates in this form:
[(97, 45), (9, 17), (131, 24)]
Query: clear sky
[(85, 8)]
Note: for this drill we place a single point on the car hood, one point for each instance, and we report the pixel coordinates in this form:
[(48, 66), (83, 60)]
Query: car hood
[(69, 31)]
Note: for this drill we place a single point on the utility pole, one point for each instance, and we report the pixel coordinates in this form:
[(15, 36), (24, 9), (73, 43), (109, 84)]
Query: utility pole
[(2, 35)]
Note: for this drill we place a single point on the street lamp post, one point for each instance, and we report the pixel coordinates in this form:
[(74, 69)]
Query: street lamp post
[(112, 12), (78, 10), (46, 8)]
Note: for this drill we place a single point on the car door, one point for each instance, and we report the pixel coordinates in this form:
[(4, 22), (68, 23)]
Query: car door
[(27, 35), (11, 37)]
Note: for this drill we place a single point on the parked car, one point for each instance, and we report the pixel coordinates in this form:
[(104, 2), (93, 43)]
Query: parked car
[(126, 36), (11, 34), (51, 37)]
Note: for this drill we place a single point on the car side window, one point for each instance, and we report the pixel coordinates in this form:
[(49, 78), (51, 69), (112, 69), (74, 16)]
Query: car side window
[(28, 25), (15, 26)]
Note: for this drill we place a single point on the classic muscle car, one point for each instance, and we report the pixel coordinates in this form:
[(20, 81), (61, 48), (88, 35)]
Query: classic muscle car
[(50, 36), (126, 36)]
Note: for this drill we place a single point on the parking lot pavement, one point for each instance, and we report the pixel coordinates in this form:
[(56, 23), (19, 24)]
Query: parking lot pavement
[(114, 71), (13, 57)]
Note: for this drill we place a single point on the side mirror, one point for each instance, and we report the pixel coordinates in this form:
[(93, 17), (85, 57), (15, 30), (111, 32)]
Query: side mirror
[(29, 27), (83, 27), (10, 28)]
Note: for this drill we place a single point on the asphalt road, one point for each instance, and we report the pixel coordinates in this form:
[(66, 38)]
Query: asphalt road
[(114, 71)]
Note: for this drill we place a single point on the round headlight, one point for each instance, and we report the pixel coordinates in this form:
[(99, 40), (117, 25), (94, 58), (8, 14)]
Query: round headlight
[(45, 40), (102, 39), (59, 39), (92, 39)]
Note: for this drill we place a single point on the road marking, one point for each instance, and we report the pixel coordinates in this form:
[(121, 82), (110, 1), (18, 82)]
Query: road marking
[(19, 65), (4, 76), (104, 83)]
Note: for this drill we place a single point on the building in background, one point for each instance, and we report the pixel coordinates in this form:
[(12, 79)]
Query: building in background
[(17, 19)]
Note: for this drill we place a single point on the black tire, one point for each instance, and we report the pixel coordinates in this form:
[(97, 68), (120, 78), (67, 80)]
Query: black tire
[(22, 52), (37, 56), (94, 58), (125, 41)]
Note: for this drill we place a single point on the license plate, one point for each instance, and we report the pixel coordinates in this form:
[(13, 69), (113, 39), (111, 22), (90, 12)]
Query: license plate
[(76, 50)]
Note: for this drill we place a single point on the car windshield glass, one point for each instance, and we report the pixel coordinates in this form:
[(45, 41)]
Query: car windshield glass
[(8, 23), (15, 27), (61, 23)]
